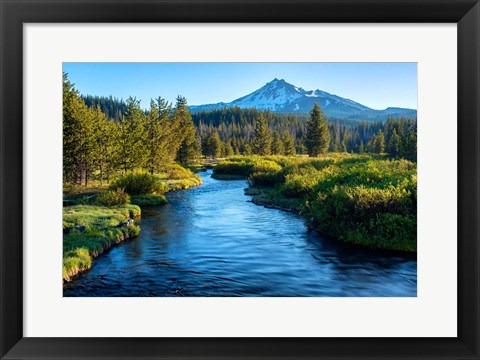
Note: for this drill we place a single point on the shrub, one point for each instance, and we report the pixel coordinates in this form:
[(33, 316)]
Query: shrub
[(300, 181), (264, 178), (176, 172), (266, 166), (242, 168), (112, 198), (138, 183)]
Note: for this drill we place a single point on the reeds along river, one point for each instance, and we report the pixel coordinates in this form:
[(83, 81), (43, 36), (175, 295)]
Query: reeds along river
[(211, 241)]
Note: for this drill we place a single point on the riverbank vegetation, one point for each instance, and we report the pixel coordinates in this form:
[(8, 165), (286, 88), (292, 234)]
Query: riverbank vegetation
[(369, 200), (89, 230), (97, 219)]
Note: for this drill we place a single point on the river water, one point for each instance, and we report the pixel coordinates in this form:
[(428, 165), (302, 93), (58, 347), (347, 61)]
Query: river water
[(212, 241)]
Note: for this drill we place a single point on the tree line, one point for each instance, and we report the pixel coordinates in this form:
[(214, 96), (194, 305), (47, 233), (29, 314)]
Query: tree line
[(105, 136), (230, 131), (97, 147)]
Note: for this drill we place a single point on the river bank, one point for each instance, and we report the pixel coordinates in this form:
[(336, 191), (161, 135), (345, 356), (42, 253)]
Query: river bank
[(91, 226), (360, 199), (212, 241), (91, 230)]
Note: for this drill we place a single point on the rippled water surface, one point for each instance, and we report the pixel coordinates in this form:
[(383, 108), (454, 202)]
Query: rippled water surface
[(211, 241)]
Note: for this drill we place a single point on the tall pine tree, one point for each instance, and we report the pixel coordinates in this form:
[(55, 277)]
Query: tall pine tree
[(317, 138), (189, 146), (262, 139)]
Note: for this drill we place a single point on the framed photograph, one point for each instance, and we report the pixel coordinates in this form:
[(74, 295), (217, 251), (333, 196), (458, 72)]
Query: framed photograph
[(222, 179)]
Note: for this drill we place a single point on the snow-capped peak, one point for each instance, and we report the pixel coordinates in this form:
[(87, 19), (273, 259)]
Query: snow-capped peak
[(281, 96)]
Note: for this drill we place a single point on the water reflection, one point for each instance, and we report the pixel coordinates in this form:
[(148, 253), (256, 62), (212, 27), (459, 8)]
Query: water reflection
[(211, 241)]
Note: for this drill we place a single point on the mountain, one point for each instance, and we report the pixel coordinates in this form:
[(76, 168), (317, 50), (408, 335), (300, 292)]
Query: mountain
[(280, 96)]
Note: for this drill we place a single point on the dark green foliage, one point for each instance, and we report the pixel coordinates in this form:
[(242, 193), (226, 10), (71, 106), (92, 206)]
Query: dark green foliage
[(317, 138), (160, 136), (288, 143), (132, 152), (137, 183), (262, 137), (236, 126), (112, 107), (234, 168), (189, 149), (394, 145), (213, 146), (113, 198), (378, 143), (277, 144)]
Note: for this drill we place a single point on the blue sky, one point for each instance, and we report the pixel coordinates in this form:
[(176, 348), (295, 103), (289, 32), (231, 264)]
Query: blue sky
[(376, 85)]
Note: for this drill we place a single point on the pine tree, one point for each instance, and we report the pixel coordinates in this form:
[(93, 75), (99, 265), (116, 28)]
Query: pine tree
[(288, 143), (70, 131), (361, 148), (394, 144), (229, 151), (411, 144), (132, 151), (262, 137), (104, 143), (189, 145), (379, 143), (277, 144), (318, 135), (159, 136), (78, 136), (213, 145)]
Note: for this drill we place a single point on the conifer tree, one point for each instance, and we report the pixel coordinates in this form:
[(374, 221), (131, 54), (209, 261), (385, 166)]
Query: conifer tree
[(213, 145), (378, 143), (262, 140), (154, 130), (394, 144), (361, 148), (288, 143), (132, 151), (229, 151), (105, 143), (317, 137), (277, 144), (71, 130), (189, 145)]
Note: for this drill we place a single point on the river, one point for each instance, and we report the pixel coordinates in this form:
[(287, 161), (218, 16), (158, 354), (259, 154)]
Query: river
[(212, 241)]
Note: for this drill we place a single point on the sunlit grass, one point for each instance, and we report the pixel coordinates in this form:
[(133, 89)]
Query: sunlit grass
[(81, 246)]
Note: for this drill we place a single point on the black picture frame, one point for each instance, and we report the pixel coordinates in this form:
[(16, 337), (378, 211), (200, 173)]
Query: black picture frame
[(14, 13)]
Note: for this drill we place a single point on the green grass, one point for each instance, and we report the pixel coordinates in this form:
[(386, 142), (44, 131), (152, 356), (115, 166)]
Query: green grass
[(182, 184), (80, 248), (368, 200)]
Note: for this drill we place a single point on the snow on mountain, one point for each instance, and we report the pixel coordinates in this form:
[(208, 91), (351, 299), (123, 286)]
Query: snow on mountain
[(280, 96)]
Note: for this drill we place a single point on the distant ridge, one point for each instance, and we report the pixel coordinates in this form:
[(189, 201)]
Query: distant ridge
[(280, 96)]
